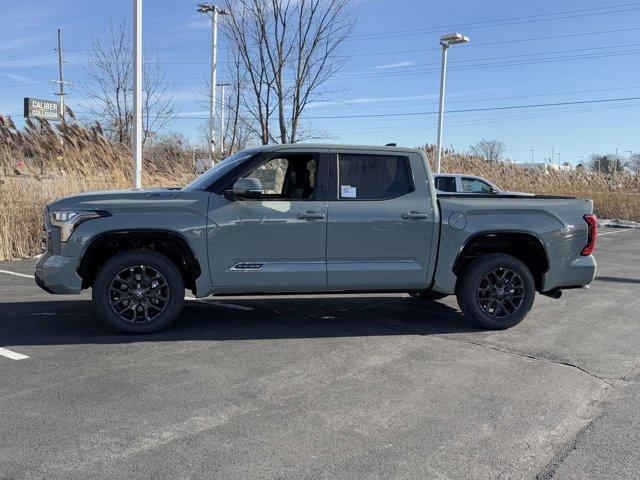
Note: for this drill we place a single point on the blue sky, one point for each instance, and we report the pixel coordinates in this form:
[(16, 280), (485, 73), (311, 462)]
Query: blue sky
[(521, 53)]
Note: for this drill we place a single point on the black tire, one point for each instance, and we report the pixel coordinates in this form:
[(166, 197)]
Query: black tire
[(500, 303), (427, 295), (126, 283)]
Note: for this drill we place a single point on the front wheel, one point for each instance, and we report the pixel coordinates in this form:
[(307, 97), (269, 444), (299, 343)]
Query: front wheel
[(496, 291), (137, 292)]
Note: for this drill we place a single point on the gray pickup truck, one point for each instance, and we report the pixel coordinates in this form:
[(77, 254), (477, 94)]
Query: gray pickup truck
[(320, 219)]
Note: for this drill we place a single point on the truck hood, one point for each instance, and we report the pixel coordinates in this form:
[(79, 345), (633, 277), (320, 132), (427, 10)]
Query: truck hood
[(128, 201)]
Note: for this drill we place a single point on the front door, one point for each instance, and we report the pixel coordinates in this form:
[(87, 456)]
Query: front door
[(276, 242), (382, 223)]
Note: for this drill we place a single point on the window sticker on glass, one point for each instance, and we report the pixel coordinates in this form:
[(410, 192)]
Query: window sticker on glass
[(347, 191)]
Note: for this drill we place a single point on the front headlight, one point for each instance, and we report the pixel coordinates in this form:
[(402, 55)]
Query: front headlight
[(67, 221)]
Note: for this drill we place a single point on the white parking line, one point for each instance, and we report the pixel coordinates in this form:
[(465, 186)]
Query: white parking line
[(220, 304), (12, 355), (617, 231), (16, 274)]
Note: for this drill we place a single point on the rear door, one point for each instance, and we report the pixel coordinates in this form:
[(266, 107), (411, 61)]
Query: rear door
[(381, 221)]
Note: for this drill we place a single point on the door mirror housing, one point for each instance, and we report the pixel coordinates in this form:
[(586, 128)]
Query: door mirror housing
[(494, 190), (247, 188)]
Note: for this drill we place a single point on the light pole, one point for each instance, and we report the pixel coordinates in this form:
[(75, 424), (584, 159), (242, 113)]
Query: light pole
[(222, 85), (445, 41), (137, 92), (212, 11), (553, 149), (531, 150), (558, 160)]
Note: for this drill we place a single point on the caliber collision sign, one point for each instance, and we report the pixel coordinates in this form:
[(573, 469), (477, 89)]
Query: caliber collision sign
[(38, 108)]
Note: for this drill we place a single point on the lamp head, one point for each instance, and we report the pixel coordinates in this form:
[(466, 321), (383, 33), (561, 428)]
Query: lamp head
[(452, 39)]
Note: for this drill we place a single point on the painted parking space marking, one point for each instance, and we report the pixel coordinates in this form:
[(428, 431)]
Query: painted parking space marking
[(617, 231), (24, 275), (220, 304), (5, 352)]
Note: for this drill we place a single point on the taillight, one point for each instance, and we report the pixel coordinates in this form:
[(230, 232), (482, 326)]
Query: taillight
[(592, 234)]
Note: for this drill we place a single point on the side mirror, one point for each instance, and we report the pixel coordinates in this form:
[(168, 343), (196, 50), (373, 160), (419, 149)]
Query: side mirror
[(247, 188), (495, 191)]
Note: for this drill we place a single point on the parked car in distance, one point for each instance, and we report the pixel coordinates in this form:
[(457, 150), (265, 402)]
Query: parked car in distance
[(288, 219), (468, 184)]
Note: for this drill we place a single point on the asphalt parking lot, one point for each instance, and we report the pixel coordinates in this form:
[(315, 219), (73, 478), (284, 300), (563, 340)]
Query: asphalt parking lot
[(369, 386)]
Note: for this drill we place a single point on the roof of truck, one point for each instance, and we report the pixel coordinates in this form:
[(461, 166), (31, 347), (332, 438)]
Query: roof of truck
[(327, 146)]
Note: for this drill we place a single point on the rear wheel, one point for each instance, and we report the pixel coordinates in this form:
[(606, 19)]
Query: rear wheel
[(138, 291), (496, 291)]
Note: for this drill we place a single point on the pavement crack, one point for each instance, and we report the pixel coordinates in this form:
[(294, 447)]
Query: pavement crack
[(507, 351), (534, 357)]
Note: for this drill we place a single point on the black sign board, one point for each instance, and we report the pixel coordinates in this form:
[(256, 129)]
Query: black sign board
[(39, 108)]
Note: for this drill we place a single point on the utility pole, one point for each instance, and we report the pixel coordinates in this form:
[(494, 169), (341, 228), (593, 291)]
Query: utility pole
[(137, 92), (445, 42), (615, 161), (61, 83), (222, 85), (212, 11), (531, 150)]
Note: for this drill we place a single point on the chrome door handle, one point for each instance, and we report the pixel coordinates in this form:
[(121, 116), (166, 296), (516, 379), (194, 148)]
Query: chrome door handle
[(310, 215), (414, 216)]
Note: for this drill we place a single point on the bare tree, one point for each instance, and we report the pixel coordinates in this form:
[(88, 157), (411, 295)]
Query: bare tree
[(109, 86), (606, 163), (287, 51), (490, 150), (634, 163)]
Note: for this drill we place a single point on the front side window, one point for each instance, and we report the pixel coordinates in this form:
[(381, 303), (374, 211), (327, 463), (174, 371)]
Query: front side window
[(474, 185), (373, 177), (291, 178), (446, 184), (208, 178)]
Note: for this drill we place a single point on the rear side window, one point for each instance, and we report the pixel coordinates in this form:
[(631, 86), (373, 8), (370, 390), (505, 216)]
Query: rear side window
[(373, 177), (446, 184)]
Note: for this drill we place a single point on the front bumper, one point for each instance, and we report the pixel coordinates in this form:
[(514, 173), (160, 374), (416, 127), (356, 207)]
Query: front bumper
[(57, 274), (580, 272)]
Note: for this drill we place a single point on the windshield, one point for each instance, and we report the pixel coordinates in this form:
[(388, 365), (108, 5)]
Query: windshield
[(203, 181)]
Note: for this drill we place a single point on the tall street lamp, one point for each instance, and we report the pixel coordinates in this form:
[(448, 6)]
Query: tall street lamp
[(212, 11), (137, 94), (445, 41), (222, 86)]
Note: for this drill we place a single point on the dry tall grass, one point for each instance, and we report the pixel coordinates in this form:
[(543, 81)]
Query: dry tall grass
[(85, 160), (614, 196), (70, 159)]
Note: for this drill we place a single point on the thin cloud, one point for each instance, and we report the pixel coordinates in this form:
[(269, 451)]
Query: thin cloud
[(17, 77), (356, 101), (394, 65)]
